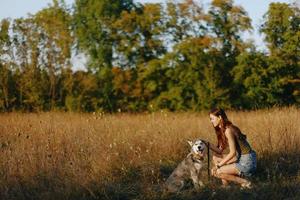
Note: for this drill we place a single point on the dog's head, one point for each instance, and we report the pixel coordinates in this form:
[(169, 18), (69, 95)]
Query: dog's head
[(198, 147)]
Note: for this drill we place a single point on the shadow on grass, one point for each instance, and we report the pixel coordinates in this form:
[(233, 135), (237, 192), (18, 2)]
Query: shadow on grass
[(273, 166), (277, 177)]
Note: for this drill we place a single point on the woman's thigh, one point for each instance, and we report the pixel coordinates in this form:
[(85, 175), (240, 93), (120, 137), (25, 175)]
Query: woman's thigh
[(228, 169)]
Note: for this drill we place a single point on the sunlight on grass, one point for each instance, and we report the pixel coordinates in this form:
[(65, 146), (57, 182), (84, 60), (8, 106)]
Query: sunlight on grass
[(128, 156)]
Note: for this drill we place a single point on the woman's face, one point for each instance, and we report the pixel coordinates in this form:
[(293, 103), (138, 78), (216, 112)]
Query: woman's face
[(214, 120)]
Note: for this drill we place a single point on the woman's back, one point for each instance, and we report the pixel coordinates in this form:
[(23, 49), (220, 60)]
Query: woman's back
[(242, 145)]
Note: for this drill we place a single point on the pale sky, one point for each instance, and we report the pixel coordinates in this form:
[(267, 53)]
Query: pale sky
[(255, 8)]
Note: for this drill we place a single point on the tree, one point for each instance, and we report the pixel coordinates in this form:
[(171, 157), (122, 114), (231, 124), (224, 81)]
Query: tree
[(282, 33), (93, 31), (54, 28), (43, 48), (183, 20), (253, 74), (83, 95), (92, 26), (138, 36), (26, 43), (195, 73), (226, 22), (273, 78), (7, 84)]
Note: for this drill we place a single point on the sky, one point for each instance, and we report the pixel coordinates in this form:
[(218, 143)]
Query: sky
[(255, 9)]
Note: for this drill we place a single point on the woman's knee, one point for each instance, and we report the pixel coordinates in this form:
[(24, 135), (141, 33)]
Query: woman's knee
[(228, 169), (216, 173)]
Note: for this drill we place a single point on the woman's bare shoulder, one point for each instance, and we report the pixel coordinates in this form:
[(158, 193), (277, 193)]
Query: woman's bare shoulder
[(232, 129)]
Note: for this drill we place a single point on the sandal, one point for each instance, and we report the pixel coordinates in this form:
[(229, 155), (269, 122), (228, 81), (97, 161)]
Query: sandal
[(247, 185)]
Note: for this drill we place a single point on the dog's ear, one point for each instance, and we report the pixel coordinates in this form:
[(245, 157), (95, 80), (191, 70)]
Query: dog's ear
[(190, 143)]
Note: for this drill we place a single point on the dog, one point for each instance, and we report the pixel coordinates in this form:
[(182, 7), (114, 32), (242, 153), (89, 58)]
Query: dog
[(189, 168)]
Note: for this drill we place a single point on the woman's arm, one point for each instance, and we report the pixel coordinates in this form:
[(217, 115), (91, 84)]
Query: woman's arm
[(213, 147), (232, 148)]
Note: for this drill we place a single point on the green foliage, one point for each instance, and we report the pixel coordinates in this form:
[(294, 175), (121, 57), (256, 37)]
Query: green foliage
[(255, 79), (176, 56), (92, 25), (7, 81), (42, 50), (282, 31), (137, 35)]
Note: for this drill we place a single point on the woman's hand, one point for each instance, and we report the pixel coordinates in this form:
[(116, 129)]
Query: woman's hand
[(214, 171), (220, 164)]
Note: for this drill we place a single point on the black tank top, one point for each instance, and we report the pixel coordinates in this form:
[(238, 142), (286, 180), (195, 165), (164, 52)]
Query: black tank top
[(242, 145)]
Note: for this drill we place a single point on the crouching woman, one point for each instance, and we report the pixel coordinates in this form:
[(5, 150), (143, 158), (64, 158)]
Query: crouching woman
[(240, 162)]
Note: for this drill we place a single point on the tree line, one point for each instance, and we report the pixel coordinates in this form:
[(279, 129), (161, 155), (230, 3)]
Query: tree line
[(177, 56)]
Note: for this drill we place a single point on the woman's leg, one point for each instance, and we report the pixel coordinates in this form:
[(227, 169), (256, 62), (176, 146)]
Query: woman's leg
[(230, 173), (216, 159)]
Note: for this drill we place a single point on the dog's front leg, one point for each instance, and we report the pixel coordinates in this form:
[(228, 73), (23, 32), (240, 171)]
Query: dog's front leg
[(195, 179)]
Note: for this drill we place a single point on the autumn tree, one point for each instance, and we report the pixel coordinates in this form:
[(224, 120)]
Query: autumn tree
[(54, 28), (43, 48)]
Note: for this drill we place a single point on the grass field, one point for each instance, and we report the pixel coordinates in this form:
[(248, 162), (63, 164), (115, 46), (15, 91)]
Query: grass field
[(128, 156)]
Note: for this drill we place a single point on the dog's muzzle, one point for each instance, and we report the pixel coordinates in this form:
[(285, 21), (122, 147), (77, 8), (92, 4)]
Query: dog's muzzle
[(200, 149)]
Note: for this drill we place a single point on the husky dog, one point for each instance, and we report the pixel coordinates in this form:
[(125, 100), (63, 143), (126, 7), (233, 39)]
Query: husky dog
[(189, 168)]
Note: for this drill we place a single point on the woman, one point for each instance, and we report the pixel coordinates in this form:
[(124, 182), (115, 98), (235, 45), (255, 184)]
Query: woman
[(241, 159)]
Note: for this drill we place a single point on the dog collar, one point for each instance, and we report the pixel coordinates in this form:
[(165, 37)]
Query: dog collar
[(197, 158)]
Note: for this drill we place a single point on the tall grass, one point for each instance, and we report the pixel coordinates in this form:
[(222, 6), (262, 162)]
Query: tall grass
[(128, 156)]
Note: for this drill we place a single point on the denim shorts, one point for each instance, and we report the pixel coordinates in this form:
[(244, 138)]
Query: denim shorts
[(246, 164)]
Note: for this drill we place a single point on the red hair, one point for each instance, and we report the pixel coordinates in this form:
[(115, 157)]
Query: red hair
[(220, 130)]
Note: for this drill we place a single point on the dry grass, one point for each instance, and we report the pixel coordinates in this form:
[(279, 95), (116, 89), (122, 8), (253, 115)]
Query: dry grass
[(125, 156)]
